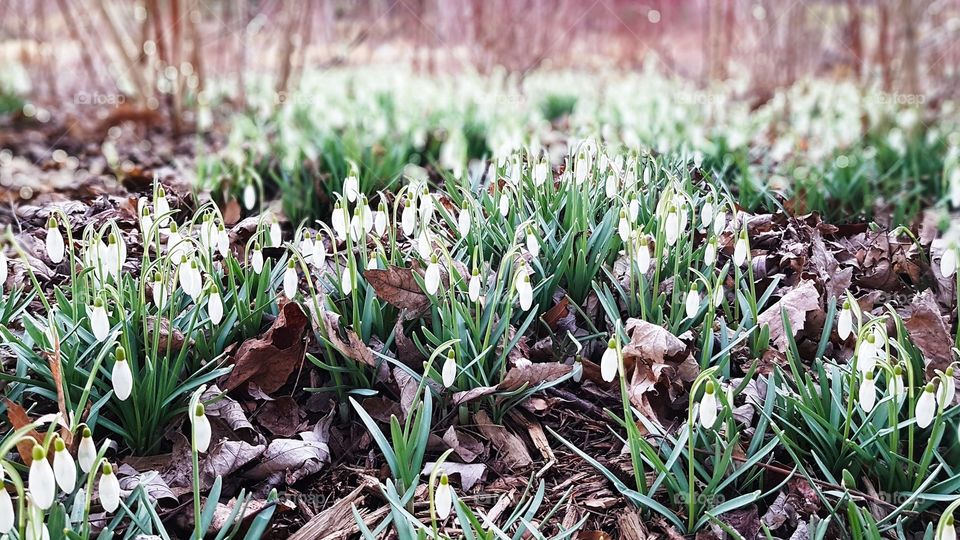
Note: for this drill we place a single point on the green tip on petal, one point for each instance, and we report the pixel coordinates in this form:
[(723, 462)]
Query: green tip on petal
[(86, 433), (107, 468), (929, 388), (612, 344), (121, 354), (97, 302), (59, 445), (199, 410), (291, 263), (709, 387), (38, 453), (52, 223), (444, 480)]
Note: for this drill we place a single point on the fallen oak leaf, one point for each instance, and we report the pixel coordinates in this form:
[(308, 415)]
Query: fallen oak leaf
[(797, 302), (268, 361), (397, 286), (19, 418), (469, 474), (353, 347)]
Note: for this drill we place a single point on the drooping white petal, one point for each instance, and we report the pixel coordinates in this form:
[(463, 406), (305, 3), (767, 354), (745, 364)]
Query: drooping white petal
[(215, 307), (533, 245), (948, 530), (431, 277), (525, 292), (845, 323), (109, 489), (643, 257), (380, 222), (706, 214), (867, 395), (719, 222), (463, 222), (710, 254), (623, 227), (7, 517), (449, 373), (474, 288), (249, 196), (926, 407), (41, 481), (672, 228), (99, 322), (692, 303), (609, 362), (351, 188), (338, 220), (443, 498), (948, 262), (319, 252), (408, 219), (256, 261), (740, 252), (504, 204), (122, 379), (64, 469), (290, 281), (54, 244), (86, 452), (708, 410), (201, 430), (276, 235), (346, 280)]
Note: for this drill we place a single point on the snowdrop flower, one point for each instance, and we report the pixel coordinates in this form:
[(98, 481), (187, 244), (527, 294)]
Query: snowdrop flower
[(948, 261), (926, 406), (319, 254), (276, 235), (408, 218), (533, 245), (146, 221), (121, 376), (710, 253), (633, 208), (208, 236), (577, 369), (449, 373), (162, 207), (719, 222), (867, 353), (256, 259), (463, 219), (610, 361), (443, 498), (346, 280), (540, 173), (191, 280), (581, 168), (706, 213), (473, 289), (948, 387), (623, 226), (426, 206), (223, 240), (431, 278), (693, 301), (610, 186), (215, 305), (525, 291), (380, 220), (845, 321), (740, 250), (117, 254), (424, 248), (366, 215), (64, 468), (36, 529), (306, 243), (646, 175), (867, 395), (504, 204), (86, 451), (290, 279), (718, 294), (896, 386), (99, 322), (201, 429), (43, 485), (176, 246), (54, 242), (643, 254), (7, 517), (672, 226), (249, 196), (708, 406), (351, 187), (109, 488), (3, 269), (948, 530), (338, 220)]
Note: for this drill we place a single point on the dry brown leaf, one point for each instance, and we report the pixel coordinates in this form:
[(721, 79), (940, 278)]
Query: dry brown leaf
[(513, 453), (269, 360), (651, 342), (797, 302), (353, 347), (19, 418), (397, 286), (469, 474), (929, 332)]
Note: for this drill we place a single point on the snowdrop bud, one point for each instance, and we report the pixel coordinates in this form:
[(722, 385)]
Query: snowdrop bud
[(525, 291), (109, 489), (380, 220), (215, 305), (86, 451), (276, 235), (577, 369), (533, 245), (868, 392), (693, 301), (672, 227), (249, 196), (643, 255), (646, 175), (706, 214), (319, 255), (719, 222), (7, 517), (146, 221), (845, 321), (623, 226), (256, 259), (122, 377), (351, 188), (740, 249), (54, 242), (540, 173), (948, 261), (290, 279), (609, 362), (948, 530), (223, 241), (444, 497), (306, 244), (64, 468), (708, 406), (610, 186), (99, 322), (581, 168), (431, 277), (896, 386), (426, 206), (710, 253), (926, 406), (338, 220), (162, 207), (633, 209), (346, 280), (474, 288), (718, 295), (201, 429), (43, 485), (504, 204), (449, 369), (175, 244), (408, 218), (948, 387), (463, 220)]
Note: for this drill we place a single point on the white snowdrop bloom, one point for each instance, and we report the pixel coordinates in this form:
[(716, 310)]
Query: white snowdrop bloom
[(610, 361), (366, 215), (473, 289), (706, 214), (86, 450), (431, 278), (256, 259), (672, 227), (276, 235), (708, 406), (623, 226), (338, 220), (121, 376), (948, 389), (3, 269), (117, 254), (533, 245), (223, 241), (162, 207), (191, 279), (463, 220), (718, 295), (643, 255), (249, 196), (449, 372), (356, 226), (351, 187), (306, 244), (646, 175), (867, 353), (581, 168), (426, 206), (99, 322), (610, 186), (7, 517), (146, 221), (346, 280), (867, 396), (895, 384), (208, 236), (54, 242), (380, 220), (290, 279), (524, 290), (443, 498), (577, 369), (845, 321), (948, 261), (504, 204), (41, 481), (201, 429), (319, 255), (215, 305), (540, 173), (926, 406), (64, 467), (408, 218), (109, 489), (633, 209), (710, 253), (424, 248), (682, 212), (515, 172), (693, 301), (719, 222), (740, 250), (372, 263), (176, 245), (948, 530)]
